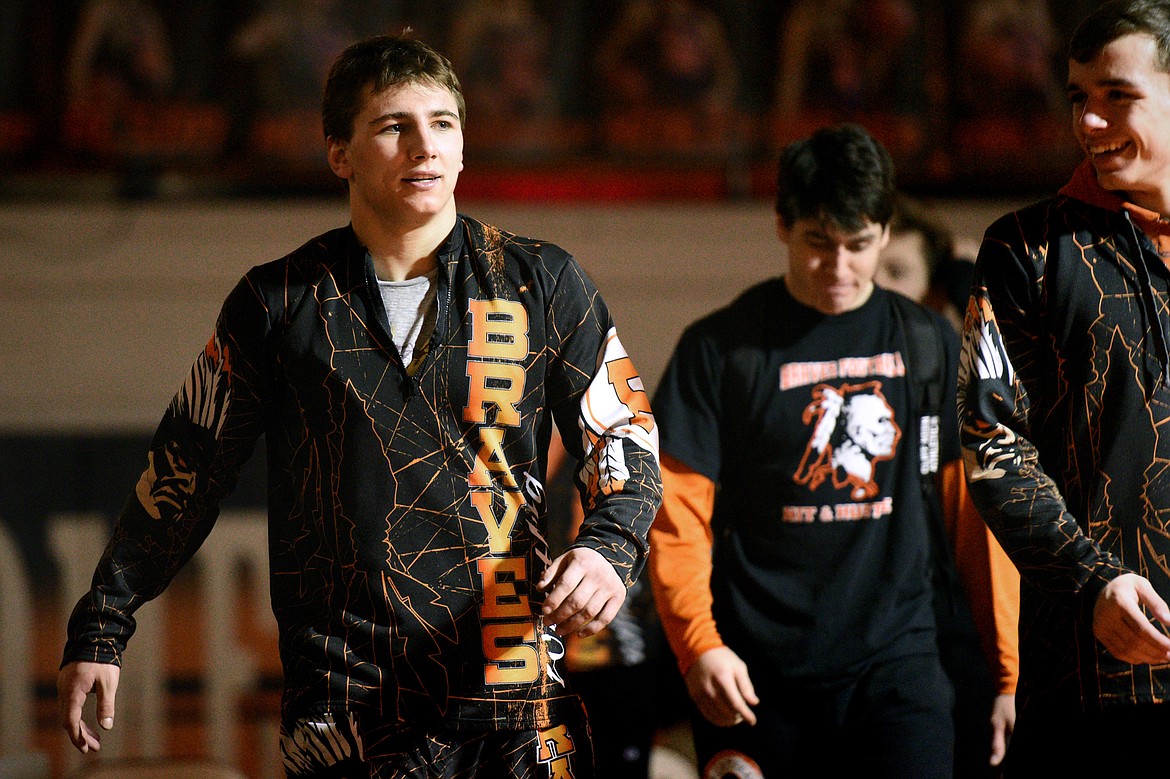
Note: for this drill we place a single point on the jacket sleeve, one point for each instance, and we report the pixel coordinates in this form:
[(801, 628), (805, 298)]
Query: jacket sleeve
[(1005, 362), (206, 435), (990, 580), (680, 562), (606, 424)]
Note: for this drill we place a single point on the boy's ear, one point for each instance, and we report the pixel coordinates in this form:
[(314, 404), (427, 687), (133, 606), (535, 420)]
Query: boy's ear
[(338, 153)]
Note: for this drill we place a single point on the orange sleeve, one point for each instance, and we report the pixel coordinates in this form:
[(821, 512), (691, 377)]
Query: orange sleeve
[(991, 581), (680, 562)]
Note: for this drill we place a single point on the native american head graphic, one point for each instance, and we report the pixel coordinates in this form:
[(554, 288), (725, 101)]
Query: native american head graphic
[(853, 430), (989, 378), (169, 479)]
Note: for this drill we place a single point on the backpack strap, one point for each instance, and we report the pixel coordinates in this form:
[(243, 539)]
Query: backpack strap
[(926, 368)]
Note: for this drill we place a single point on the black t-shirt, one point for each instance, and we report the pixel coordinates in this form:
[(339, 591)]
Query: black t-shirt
[(804, 422)]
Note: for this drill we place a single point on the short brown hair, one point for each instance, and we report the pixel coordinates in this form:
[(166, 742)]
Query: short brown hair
[(379, 63)]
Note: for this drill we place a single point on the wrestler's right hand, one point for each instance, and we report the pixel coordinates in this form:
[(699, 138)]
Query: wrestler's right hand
[(75, 682)]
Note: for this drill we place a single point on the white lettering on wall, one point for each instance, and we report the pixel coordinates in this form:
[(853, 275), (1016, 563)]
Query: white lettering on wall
[(231, 670)]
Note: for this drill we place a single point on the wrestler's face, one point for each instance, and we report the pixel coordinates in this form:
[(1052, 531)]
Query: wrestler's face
[(829, 269), (404, 156), (1121, 118)]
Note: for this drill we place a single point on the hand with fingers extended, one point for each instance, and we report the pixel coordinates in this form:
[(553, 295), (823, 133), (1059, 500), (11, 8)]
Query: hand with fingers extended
[(582, 592), (719, 685), (75, 682), (1120, 624)]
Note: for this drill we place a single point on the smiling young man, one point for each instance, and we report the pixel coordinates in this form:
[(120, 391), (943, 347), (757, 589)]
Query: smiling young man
[(792, 557), (406, 371), (1064, 391)]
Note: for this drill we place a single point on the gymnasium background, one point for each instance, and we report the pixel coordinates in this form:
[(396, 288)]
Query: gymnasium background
[(150, 153)]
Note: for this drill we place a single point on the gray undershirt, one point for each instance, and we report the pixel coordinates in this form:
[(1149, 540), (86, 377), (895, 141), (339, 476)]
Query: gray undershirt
[(411, 311)]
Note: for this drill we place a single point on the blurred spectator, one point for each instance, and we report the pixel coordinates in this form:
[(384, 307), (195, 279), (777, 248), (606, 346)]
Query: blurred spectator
[(199, 52), (862, 61), (752, 25), (577, 27), (120, 51), (668, 77), (1008, 115), (1008, 61), (280, 56), (503, 48), (920, 262), (848, 56), (119, 63), (288, 47)]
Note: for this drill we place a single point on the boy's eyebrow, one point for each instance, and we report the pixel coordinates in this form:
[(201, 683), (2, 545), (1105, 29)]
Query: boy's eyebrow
[(407, 115), (822, 231), (1105, 82)]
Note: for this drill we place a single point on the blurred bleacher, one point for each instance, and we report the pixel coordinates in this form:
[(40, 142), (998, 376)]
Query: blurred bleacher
[(233, 113)]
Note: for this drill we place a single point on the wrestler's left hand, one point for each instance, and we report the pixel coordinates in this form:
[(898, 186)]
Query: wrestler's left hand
[(583, 592)]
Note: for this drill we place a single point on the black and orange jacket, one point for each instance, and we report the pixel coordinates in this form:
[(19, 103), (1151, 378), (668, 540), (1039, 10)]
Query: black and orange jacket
[(1064, 391), (407, 518)]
